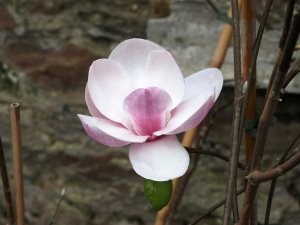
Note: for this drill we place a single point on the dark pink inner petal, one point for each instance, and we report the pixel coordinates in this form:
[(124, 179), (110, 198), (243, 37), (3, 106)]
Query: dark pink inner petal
[(147, 109)]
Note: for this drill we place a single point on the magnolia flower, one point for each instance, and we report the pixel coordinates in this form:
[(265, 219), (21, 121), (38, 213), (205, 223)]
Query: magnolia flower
[(139, 96)]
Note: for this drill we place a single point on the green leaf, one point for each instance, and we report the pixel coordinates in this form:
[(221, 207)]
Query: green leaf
[(158, 193)]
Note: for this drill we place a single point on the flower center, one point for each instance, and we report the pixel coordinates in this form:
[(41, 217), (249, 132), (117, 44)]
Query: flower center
[(147, 109)]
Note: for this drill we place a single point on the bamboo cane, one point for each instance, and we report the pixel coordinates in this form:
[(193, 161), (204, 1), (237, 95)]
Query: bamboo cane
[(248, 38), (17, 162), (189, 136)]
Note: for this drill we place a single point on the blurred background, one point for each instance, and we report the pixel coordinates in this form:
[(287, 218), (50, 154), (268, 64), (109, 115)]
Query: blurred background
[(46, 48)]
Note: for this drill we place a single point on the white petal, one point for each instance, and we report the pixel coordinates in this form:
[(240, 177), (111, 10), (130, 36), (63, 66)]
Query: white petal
[(205, 81), (188, 115), (201, 91), (159, 160), (89, 102), (163, 72), (108, 132), (108, 86), (132, 56)]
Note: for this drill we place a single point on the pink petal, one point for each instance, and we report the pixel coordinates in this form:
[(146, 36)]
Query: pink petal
[(209, 80), (201, 91), (162, 71), (89, 102), (147, 108), (159, 160), (108, 86), (108, 132), (187, 115), (132, 56)]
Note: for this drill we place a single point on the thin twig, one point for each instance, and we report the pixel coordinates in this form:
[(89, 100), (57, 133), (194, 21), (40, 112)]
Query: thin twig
[(273, 97), (237, 119), (214, 153), (270, 200), (17, 162), (287, 22), (262, 176), (6, 188), (61, 197), (267, 114), (222, 107), (212, 209), (291, 74), (256, 46), (249, 33), (213, 6), (288, 150), (286, 27), (275, 90), (274, 181)]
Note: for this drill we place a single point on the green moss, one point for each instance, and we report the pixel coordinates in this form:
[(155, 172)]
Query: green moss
[(9, 78)]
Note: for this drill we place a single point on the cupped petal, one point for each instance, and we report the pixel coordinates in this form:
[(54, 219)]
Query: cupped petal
[(201, 91), (91, 107), (108, 132), (132, 56), (162, 71), (188, 115), (108, 86), (147, 109), (159, 160), (205, 81)]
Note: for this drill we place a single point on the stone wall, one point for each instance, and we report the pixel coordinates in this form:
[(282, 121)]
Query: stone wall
[(55, 41)]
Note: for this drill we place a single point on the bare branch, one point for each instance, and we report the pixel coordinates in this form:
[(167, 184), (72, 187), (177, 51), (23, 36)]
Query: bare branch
[(213, 6), (261, 176), (213, 208), (274, 180), (237, 116), (267, 114), (214, 153), (291, 74), (61, 197), (287, 22), (256, 46), (6, 188)]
